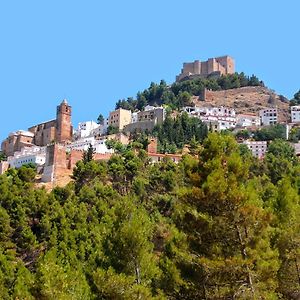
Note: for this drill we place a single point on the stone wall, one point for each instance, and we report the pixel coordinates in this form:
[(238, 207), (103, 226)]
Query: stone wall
[(44, 133), (76, 156), (15, 142), (139, 126), (60, 163), (56, 162), (221, 65)]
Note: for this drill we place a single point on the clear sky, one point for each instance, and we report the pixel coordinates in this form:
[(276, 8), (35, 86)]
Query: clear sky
[(95, 52)]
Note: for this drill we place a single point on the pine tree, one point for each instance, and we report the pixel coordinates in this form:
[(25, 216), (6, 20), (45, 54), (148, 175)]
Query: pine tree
[(88, 155)]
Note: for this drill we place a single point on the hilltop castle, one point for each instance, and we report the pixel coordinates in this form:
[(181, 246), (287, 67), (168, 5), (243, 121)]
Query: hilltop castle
[(58, 130), (214, 66)]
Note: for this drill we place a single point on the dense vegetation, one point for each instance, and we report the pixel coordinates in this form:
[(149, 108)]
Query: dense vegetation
[(267, 133), (2, 156), (179, 94), (173, 134), (219, 225)]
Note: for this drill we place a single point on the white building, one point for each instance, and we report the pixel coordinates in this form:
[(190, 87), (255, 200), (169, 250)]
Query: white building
[(134, 117), (83, 144), (85, 129), (100, 130), (295, 114), (193, 109), (34, 155), (268, 116), (258, 148), (247, 120), (218, 118)]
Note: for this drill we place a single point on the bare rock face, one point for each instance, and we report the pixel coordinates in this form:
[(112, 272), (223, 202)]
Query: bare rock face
[(246, 100)]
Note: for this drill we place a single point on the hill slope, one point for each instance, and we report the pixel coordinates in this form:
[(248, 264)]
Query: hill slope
[(246, 99)]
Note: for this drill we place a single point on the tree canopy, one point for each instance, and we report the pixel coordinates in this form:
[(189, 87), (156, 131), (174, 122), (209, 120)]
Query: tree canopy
[(179, 94), (220, 224)]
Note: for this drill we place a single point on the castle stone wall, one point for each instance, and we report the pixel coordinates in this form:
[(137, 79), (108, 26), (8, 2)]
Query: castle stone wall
[(221, 65)]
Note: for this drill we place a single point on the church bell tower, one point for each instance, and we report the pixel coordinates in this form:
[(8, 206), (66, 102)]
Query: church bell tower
[(64, 129)]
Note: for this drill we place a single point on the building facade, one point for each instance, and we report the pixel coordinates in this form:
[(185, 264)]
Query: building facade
[(83, 145), (268, 116), (247, 120), (216, 118), (100, 130), (147, 119), (258, 148), (28, 155), (295, 114), (58, 130), (119, 118), (85, 129), (16, 141)]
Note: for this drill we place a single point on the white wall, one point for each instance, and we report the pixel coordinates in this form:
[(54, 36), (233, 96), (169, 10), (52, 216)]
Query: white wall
[(258, 148), (295, 114), (34, 155), (268, 116), (85, 129), (83, 145)]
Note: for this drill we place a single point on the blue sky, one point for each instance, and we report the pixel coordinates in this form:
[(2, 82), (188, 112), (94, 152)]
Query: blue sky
[(95, 52)]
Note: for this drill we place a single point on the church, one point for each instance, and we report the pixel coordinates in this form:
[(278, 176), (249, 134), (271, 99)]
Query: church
[(59, 130)]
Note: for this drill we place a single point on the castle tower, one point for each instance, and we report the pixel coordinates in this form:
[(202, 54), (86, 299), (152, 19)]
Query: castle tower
[(64, 130)]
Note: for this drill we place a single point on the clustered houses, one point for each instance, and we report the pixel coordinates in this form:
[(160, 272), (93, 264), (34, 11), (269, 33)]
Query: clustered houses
[(34, 155), (222, 118), (54, 147), (247, 120), (36, 145), (216, 118)]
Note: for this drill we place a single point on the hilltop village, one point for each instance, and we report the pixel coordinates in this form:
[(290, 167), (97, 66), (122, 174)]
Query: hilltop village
[(187, 191), (55, 146)]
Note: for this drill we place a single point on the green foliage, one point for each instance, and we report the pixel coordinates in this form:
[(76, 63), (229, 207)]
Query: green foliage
[(280, 160), (27, 173), (2, 156), (115, 145), (179, 94), (270, 133), (175, 133), (129, 104), (294, 135), (112, 130), (217, 225), (88, 155), (100, 119), (243, 134), (86, 172)]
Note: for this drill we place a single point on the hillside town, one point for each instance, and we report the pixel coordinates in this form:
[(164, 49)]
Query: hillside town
[(55, 146)]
